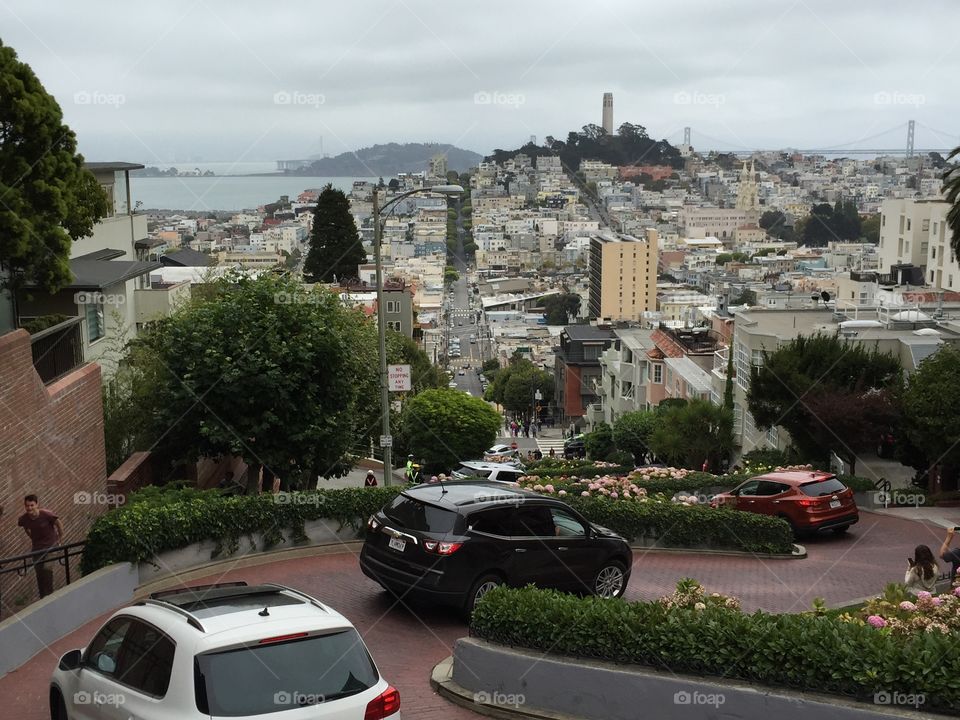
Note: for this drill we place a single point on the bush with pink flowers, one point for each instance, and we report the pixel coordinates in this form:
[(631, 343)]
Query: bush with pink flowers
[(895, 613)]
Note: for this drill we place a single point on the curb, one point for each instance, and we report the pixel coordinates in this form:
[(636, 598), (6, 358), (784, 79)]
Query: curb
[(441, 680), (799, 552)]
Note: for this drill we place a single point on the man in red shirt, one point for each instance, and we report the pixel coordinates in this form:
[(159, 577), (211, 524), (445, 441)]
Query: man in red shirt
[(45, 531)]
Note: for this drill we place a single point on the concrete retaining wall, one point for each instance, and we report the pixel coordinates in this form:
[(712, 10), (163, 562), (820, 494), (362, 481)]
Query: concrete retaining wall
[(319, 532), (46, 621), (530, 681)]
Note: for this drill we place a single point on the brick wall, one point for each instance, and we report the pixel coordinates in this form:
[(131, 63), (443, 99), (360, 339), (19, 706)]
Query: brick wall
[(51, 444)]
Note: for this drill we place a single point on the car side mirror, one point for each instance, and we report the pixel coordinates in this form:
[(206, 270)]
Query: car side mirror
[(106, 664), (71, 660)]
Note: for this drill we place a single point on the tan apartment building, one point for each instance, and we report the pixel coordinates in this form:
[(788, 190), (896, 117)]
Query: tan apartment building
[(623, 276)]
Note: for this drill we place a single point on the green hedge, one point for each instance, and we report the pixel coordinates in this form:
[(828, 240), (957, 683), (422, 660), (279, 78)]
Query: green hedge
[(805, 652), (159, 520), (676, 525)]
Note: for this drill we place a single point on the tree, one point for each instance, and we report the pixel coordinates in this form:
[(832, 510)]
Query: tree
[(262, 369), (739, 257), (951, 191), (450, 274), (849, 421), (560, 308), (632, 431), (335, 247), (929, 407), (446, 426), (691, 434), (599, 442), (728, 385), (784, 390), (48, 198), (490, 366), (871, 229), (394, 184), (516, 385)]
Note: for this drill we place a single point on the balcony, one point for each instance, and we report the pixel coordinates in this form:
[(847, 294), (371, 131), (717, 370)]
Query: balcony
[(720, 362), (57, 350)]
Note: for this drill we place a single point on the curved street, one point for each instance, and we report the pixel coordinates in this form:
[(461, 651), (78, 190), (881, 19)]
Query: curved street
[(407, 642)]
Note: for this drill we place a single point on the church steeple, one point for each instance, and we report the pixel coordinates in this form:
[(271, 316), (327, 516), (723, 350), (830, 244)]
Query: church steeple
[(747, 195)]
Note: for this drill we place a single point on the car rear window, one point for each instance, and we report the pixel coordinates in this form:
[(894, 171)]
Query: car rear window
[(412, 514), (822, 487), (272, 678)]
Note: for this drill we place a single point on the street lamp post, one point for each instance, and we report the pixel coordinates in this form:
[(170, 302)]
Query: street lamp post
[(386, 440)]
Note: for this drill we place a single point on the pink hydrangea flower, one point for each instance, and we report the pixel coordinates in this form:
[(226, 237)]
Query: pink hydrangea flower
[(908, 606), (877, 621), (548, 488), (935, 600), (562, 493), (614, 495), (956, 591), (923, 595), (585, 493)]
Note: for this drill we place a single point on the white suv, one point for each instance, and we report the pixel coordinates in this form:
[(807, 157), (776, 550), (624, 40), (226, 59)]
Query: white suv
[(222, 651)]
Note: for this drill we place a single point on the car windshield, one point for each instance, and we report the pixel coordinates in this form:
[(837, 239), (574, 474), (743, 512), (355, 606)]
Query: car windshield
[(819, 488), (412, 514), (262, 679)]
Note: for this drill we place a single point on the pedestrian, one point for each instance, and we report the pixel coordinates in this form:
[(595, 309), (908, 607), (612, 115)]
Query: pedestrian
[(45, 531), (370, 480), (553, 453), (409, 470), (922, 570), (950, 556), (533, 429)]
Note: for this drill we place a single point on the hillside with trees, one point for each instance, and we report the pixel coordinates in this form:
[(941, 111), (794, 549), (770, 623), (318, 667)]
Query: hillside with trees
[(630, 145), (387, 160)]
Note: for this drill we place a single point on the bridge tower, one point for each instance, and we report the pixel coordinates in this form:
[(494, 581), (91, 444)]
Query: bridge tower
[(686, 136), (911, 126)]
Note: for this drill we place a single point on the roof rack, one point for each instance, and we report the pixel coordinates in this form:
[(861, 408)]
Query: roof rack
[(191, 618), (299, 593)]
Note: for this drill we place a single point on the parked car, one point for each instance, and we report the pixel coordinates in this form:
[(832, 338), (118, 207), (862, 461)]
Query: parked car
[(453, 544), (809, 501), (227, 650), (480, 470), (500, 451), (575, 448), (461, 372), (452, 384)]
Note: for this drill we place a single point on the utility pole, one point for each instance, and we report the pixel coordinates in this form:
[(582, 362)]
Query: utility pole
[(386, 440)]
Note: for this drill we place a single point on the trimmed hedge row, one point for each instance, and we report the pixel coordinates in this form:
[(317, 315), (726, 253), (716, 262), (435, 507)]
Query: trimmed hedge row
[(169, 520), (676, 525), (805, 651)]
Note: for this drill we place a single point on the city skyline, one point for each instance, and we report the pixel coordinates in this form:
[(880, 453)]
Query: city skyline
[(198, 80)]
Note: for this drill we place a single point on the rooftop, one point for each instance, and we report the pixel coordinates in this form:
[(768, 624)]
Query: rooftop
[(587, 332), (115, 165)]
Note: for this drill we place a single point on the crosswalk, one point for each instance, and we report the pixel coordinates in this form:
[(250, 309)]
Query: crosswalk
[(550, 442)]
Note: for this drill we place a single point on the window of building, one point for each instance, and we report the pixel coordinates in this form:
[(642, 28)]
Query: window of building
[(908, 224), (591, 352), (933, 253), (93, 313), (395, 325), (393, 306), (658, 373), (925, 225), (883, 221)]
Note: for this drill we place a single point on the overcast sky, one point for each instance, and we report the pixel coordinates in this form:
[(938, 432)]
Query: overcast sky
[(163, 81)]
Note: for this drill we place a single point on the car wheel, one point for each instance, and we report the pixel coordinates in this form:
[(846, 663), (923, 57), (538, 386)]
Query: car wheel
[(841, 530), (481, 587), (610, 581), (58, 708), (793, 528)]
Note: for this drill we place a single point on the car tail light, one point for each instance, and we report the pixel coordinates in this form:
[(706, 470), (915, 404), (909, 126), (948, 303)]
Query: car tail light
[(282, 638), (373, 523), (441, 548), (383, 705), (806, 502)]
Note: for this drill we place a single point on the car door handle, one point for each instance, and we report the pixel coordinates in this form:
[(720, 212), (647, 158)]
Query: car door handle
[(562, 548), (519, 549)]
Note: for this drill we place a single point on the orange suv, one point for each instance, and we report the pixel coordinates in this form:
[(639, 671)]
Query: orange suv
[(811, 501)]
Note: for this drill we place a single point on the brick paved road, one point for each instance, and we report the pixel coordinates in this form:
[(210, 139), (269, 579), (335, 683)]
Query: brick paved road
[(406, 645)]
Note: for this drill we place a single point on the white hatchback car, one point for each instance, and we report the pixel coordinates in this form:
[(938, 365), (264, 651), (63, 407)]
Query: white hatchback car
[(223, 651)]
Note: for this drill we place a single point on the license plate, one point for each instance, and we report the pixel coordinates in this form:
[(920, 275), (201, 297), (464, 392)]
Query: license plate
[(834, 503), (398, 544)]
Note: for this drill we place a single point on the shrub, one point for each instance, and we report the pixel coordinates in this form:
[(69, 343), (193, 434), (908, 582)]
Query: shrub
[(160, 519), (804, 651)]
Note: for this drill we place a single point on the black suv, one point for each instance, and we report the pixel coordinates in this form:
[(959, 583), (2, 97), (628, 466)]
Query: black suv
[(575, 448), (452, 543)]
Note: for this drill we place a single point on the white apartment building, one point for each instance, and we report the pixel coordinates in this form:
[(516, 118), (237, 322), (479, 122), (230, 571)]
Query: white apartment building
[(916, 232)]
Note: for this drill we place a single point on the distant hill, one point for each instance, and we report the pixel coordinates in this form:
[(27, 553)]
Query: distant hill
[(630, 145), (389, 159)]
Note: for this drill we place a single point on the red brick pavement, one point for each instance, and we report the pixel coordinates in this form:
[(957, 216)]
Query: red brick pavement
[(406, 644)]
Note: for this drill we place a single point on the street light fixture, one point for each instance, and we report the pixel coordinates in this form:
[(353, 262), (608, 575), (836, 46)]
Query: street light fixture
[(386, 440)]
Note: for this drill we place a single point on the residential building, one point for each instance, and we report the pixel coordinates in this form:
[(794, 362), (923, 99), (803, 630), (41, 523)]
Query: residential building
[(623, 276), (577, 371), (916, 232), (398, 310), (624, 373)]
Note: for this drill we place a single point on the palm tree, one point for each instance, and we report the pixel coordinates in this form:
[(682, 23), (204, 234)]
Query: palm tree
[(951, 188)]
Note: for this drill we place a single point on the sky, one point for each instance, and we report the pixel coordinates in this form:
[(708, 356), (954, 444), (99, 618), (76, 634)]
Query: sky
[(207, 80)]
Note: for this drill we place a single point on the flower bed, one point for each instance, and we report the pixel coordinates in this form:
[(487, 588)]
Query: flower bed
[(897, 613), (692, 632)]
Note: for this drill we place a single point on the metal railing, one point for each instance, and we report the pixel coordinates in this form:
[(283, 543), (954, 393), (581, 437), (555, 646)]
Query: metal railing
[(20, 564), (57, 350)]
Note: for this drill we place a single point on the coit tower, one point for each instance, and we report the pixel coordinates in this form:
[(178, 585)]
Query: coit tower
[(608, 113)]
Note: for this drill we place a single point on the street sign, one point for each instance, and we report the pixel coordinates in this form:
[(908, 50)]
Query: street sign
[(386, 441), (398, 378)]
